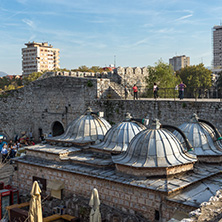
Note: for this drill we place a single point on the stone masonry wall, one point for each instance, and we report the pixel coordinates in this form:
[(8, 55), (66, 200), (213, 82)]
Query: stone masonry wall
[(168, 112), (128, 199), (63, 99), (43, 102)]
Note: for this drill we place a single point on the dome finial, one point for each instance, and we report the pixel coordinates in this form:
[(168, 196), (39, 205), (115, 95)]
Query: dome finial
[(128, 116), (155, 124), (88, 111), (194, 118)]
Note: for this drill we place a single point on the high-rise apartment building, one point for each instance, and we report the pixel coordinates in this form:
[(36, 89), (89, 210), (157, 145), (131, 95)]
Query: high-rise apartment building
[(217, 47), (38, 57), (179, 62)]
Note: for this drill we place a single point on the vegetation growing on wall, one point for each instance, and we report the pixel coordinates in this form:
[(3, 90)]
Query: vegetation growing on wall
[(89, 83)]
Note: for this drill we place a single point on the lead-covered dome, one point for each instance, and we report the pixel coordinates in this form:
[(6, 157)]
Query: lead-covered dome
[(154, 151), (118, 137), (86, 129), (201, 136)]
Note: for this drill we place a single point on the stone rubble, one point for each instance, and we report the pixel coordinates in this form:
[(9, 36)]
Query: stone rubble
[(209, 211)]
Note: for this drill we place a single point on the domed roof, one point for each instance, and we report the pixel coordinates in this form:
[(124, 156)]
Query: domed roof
[(200, 136), (154, 148), (87, 128), (118, 137)]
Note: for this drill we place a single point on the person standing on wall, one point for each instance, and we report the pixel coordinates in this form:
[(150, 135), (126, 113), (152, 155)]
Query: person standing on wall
[(155, 91), (135, 92), (126, 92), (181, 90)]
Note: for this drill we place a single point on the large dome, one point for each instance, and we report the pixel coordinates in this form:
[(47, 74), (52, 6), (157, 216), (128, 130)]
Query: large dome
[(86, 129), (118, 137), (201, 136), (154, 149)]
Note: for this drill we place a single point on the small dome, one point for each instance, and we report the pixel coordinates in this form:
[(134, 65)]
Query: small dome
[(200, 135), (152, 149), (86, 129), (118, 137)]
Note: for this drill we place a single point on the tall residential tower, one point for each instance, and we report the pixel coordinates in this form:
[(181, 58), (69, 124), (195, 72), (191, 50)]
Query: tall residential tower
[(38, 57), (217, 47), (179, 62)]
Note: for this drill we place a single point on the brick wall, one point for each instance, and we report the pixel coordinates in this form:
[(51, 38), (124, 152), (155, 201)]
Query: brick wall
[(126, 198)]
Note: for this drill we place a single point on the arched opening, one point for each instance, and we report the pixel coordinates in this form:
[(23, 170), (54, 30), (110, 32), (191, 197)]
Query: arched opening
[(57, 129)]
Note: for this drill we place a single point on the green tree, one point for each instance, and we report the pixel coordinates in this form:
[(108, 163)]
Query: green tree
[(10, 87), (163, 75), (92, 69), (4, 82), (32, 77), (83, 69), (96, 69), (62, 70), (196, 76)]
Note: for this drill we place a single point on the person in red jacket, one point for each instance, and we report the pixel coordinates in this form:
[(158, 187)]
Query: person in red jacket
[(135, 92)]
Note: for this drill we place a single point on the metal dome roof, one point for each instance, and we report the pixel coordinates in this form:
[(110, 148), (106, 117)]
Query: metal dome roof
[(200, 136), (118, 137), (85, 129), (154, 147)]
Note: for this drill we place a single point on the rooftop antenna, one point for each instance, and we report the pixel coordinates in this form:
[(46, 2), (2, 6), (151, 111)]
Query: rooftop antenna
[(114, 61)]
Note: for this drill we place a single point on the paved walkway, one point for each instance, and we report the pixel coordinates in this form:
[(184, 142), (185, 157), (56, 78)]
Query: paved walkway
[(183, 100)]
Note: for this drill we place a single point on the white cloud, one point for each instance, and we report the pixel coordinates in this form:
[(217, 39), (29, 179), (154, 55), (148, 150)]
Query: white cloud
[(32, 38), (141, 42), (29, 23), (184, 17)]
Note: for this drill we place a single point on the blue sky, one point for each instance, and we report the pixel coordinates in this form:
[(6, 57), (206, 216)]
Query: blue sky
[(91, 32)]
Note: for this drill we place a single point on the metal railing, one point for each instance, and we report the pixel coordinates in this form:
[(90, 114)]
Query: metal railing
[(172, 93)]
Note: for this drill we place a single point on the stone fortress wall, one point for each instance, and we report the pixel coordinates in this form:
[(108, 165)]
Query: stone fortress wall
[(121, 75), (61, 99)]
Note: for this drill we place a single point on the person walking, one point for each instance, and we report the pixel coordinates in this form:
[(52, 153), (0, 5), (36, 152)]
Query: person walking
[(135, 92), (126, 92), (4, 153), (181, 90), (155, 91)]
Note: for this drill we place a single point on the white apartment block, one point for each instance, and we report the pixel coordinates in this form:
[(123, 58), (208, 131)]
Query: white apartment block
[(38, 57), (217, 47), (179, 62)]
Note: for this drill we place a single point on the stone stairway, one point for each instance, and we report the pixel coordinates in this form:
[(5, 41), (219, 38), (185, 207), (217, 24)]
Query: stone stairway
[(120, 90)]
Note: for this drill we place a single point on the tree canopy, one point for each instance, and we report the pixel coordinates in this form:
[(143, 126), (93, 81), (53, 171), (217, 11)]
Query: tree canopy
[(32, 77), (163, 75), (91, 69), (10, 84), (196, 76)]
